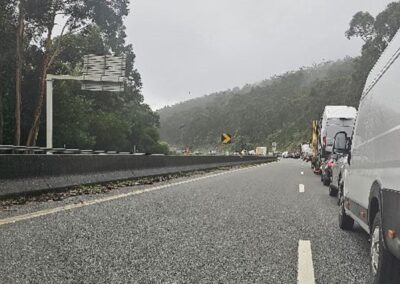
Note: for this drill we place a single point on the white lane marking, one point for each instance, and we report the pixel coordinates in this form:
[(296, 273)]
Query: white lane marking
[(301, 188), (302, 173), (305, 271), (45, 212)]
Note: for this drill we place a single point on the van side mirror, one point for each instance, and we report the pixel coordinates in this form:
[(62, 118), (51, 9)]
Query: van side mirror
[(340, 144)]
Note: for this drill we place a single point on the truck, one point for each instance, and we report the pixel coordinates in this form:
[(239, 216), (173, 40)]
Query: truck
[(314, 146)]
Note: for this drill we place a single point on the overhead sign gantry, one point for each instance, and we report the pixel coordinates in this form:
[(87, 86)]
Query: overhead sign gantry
[(104, 73)]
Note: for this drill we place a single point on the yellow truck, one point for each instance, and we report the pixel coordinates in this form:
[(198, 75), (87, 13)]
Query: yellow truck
[(314, 146)]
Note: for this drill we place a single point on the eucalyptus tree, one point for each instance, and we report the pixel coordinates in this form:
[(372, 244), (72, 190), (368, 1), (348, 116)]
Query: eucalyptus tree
[(376, 32), (76, 14), (7, 49)]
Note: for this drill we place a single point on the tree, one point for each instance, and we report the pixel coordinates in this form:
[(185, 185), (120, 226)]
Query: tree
[(82, 119), (362, 26), (376, 34), (108, 15), (7, 49)]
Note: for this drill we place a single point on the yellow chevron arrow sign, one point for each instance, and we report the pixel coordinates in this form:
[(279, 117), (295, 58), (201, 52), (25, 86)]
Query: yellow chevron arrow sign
[(226, 138)]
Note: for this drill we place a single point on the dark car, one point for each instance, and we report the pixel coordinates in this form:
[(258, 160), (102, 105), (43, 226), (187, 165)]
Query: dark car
[(326, 169)]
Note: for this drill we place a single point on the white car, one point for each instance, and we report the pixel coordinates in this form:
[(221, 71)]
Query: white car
[(371, 184)]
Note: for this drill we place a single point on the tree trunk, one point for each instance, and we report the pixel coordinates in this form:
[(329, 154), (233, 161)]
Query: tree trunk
[(34, 131), (1, 112), (18, 72)]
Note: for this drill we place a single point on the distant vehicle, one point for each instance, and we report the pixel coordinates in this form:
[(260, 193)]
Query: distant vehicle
[(326, 169), (306, 152), (315, 159), (285, 154), (339, 166), (335, 119), (296, 155), (261, 151), (371, 186)]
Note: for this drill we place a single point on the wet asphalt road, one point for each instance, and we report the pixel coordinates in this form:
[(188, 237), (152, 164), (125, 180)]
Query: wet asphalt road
[(239, 227)]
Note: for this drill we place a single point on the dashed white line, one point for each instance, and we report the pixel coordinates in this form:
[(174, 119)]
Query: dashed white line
[(302, 173), (305, 269), (45, 212), (301, 188)]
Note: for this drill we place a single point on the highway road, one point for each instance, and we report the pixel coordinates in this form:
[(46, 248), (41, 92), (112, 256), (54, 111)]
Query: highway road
[(273, 223)]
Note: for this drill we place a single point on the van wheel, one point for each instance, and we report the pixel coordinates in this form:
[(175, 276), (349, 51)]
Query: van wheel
[(332, 191), (345, 221), (385, 268)]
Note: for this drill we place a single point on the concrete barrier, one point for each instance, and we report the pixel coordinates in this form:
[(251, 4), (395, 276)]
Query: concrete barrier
[(21, 174)]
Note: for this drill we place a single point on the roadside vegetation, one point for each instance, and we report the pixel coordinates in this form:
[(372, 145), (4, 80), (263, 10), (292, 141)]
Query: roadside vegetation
[(35, 41), (280, 109)]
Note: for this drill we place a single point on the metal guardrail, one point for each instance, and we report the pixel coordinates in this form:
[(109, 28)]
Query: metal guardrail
[(12, 149)]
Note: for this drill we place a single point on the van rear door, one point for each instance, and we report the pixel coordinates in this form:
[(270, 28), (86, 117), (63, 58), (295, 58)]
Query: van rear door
[(336, 125)]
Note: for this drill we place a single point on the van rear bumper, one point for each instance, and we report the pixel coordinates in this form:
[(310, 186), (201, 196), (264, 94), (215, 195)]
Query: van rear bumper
[(391, 220)]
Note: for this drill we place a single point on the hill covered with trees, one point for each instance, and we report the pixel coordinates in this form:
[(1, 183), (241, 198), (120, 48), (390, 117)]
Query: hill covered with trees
[(280, 109)]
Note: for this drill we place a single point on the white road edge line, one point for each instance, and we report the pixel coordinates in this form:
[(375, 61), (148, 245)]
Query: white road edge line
[(305, 272), (301, 188), (45, 212)]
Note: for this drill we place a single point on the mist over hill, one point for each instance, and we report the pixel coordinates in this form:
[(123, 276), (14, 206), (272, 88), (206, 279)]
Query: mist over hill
[(279, 109)]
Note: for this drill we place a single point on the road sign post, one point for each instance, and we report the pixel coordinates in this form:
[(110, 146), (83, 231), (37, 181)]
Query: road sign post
[(100, 73), (49, 113)]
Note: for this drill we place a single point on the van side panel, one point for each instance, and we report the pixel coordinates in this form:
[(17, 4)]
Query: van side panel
[(357, 183)]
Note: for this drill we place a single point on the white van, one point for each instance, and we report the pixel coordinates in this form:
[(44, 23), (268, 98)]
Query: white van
[(371, 189), (335, 119)]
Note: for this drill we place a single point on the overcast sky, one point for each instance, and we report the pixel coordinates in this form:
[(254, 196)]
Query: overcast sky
[(189, 48)]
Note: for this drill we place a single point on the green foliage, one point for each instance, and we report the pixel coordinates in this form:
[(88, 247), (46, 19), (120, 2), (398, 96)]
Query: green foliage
[(101, 120), (72, 117), (376, 33), (82, 119)]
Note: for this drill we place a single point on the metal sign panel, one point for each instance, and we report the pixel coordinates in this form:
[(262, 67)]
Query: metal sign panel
[(99, 86), (104, 73), (104, 65)]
